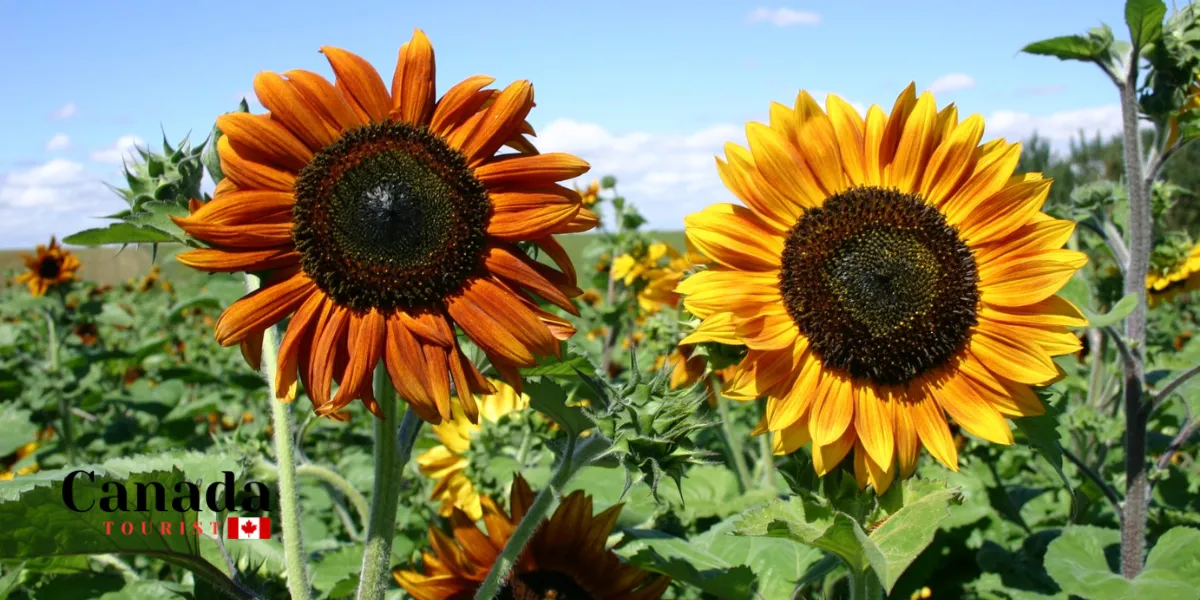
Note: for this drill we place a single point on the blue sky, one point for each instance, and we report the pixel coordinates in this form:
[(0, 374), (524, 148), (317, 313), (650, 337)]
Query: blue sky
[(647, 90)]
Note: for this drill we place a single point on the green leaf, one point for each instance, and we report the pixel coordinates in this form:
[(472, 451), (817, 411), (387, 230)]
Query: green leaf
[(333, 566), (1067, 47), (1145, 20), (548, 398), (1076, 561), (117, 233), (908, 531), (38, 524), (157, 214), (721, 564), (112, 314), (553, 366), (15, 428), (888, 550), (1041, 432), (9, 582), (1119, 311)]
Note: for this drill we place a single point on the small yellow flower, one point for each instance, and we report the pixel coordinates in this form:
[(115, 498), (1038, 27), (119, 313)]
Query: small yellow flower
[(1184, 276), (590, 194), (448, 462), (590, 296), (921, 594)]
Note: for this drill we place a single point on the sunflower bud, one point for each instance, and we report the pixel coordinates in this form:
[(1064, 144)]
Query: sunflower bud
[(650, 426), (173, 176)]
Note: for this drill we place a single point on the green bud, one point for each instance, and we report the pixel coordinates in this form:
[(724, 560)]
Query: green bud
[(608, 182)]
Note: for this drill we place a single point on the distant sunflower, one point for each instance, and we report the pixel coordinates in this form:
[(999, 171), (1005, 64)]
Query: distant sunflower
[(884, 274), (1191, 104), (688, 369), (590, 194), (448, 462), (25, 451), (385, 219), (1184, 276), (566, 559), (52, 265)]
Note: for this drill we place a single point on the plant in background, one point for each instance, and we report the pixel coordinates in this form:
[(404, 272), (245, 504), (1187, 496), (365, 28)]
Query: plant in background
[(50, 267)]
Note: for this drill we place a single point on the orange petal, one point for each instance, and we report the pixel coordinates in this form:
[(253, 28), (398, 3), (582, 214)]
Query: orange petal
[(503, 118), (733, 236), (539, 169), (929, 421), (251, 175), (264, 139), (322, 97), (414, 82), (405, 362), (245, 207), (298, 335), (219, 261), (360, 83), (266, 306), (294, 110), (459, 102)]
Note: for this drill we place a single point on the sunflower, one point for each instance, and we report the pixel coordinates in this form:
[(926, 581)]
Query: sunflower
[(590, 194), (51, 266), (884, 273), (448, 462), (25, 451), (565, 559), (1184, 276), (689, 369), (386, 219)]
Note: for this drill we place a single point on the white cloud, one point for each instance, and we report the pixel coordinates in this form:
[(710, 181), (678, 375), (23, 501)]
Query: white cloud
[(125, 149), (67, 111), (783, 17), (1059, 127), (59, 142), (59, 197), (951, 82)]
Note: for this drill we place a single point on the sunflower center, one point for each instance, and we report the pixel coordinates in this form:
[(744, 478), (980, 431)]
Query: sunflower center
[(389, 216), (49, 269), (543, 585), (880, 284)]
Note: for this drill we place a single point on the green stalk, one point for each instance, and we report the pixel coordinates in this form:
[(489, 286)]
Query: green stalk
[(328, 476), (734, 446), (864, 586), (393, 448), (64, 407), (573, 459), (285, 459)]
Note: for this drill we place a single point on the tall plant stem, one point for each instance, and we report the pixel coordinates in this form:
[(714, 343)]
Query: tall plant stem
[(64, 407), (394, 439), (732, 444), (1133, 523), (296, 561)]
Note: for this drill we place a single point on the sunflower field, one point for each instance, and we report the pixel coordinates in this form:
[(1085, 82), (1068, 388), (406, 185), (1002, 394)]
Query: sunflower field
[(398, 352)]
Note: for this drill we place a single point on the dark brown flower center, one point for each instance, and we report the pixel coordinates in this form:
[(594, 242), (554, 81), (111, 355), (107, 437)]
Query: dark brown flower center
[(880, 284), (543, 585), (390, 216), (49, 268)]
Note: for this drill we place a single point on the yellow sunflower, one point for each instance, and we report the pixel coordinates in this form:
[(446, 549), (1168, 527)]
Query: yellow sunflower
[(591, 194), (7, 462), (448, 462), (884, 273), (51, 266), (1183, 277), (386, 218), (565, 559)]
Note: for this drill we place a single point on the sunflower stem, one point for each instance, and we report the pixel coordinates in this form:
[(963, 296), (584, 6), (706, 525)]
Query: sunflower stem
[(394, 439), (352, 495), (1141, 224), (732, 445), (577, 455), (864, 585), (295, 560), (64, 407)]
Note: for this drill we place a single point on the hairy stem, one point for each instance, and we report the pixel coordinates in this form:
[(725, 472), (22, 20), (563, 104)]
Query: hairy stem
[(1133, 523), (394, 440), (864, 585), (64, 406)]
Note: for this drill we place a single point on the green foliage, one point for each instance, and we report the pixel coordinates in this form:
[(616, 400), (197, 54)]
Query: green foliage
[(1079, 562)]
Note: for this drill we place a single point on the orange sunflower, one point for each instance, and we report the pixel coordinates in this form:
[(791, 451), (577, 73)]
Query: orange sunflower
[(385, 220), (884, 273), (565, 559), (51, 266)]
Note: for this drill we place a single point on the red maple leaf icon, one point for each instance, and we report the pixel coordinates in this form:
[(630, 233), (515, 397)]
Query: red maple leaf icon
[(248, 527)]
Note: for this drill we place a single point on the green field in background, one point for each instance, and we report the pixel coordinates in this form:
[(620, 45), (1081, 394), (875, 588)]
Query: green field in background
[(113, 265)]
